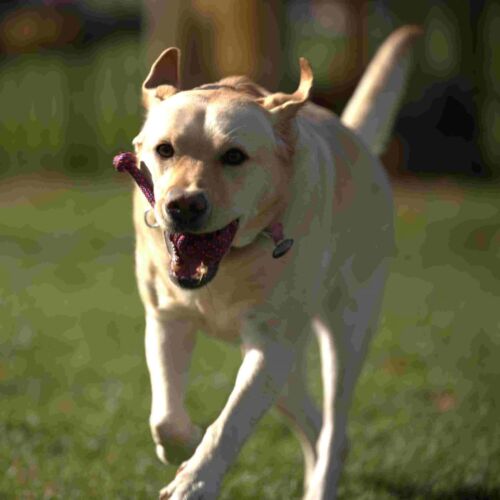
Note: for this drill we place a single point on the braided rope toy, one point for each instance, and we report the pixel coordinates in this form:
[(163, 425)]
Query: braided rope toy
[(127, 162)]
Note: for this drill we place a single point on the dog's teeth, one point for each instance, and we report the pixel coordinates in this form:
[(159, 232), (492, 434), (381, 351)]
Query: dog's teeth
[(201, 272)]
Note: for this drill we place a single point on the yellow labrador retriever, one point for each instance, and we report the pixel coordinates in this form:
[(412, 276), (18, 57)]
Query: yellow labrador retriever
[(239, 174)]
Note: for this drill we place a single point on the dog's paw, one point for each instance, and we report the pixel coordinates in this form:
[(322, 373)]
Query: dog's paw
[(175, 444), (190, 485)]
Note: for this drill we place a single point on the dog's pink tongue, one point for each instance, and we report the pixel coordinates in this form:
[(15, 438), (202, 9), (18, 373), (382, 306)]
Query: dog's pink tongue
[(195, 250)]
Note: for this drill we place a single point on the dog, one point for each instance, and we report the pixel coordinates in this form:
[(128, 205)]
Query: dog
[(273, 221)]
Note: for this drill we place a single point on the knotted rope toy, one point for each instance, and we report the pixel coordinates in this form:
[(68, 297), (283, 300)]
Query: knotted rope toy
[(127, 162)]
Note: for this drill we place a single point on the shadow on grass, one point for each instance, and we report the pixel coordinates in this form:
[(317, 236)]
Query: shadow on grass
[(407, 489)]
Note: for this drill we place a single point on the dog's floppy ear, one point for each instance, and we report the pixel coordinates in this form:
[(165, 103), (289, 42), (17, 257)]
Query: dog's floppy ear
[(163, 79), (285, 106)]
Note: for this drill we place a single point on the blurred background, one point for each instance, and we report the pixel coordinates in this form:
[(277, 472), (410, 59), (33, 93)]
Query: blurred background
[(73, 383), (71, 71)]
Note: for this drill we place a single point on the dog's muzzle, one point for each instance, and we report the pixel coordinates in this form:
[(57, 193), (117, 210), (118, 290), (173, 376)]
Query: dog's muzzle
[(195, 258), (186, 211)]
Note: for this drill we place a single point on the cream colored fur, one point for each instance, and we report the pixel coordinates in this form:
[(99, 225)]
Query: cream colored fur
[(320, 179)]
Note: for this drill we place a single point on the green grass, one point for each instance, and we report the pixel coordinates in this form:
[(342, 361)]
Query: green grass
[(75, 390)]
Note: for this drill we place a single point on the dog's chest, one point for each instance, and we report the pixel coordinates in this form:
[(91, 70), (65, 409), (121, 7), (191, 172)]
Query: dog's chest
[(246, 281), (222, 324)]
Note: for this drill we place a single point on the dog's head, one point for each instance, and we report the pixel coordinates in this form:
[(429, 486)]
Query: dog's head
[(219, 157)]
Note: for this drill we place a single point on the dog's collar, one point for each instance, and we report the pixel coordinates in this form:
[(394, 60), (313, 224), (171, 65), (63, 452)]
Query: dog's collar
[(281, 244)]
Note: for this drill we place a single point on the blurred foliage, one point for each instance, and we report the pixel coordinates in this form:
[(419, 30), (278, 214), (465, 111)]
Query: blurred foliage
[(71, 107), (70, 111)]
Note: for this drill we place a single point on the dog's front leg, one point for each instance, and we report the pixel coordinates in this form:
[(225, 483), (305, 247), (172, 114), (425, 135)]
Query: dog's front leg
[(169, 344), (266, 364)]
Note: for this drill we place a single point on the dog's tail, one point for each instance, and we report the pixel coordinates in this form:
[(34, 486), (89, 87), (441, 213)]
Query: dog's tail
[(372, 109)]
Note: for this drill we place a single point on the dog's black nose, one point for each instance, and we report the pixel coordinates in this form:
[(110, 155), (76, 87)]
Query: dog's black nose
[(186, 210)]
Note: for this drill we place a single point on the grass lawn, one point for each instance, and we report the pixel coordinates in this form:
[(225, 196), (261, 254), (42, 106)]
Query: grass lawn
[(74, 388)]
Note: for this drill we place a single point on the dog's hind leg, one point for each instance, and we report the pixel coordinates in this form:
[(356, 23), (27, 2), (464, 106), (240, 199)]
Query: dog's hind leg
[(169, 344), (343, 333), (296, 404)]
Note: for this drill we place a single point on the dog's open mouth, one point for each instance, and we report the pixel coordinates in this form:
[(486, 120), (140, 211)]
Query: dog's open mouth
[(196, 257)]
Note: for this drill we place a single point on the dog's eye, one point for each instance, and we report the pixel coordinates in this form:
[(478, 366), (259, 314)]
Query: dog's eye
[(165, 150), (233, 156)]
